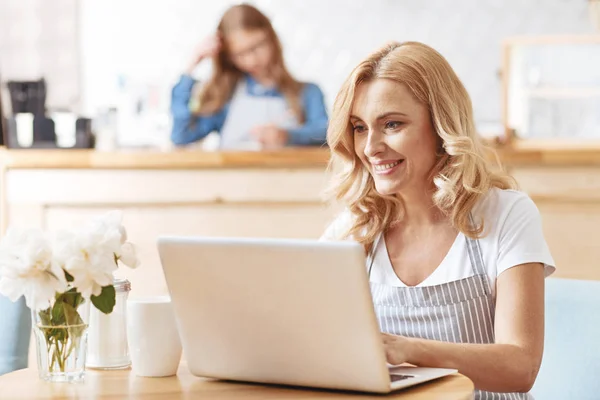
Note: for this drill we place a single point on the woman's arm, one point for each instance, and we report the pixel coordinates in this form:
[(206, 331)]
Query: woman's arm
[(314, 129), (187, 127), (510, 364)]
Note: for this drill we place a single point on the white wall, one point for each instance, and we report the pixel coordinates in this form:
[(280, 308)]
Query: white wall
[(40, 38), (149, 41), (323, 40)]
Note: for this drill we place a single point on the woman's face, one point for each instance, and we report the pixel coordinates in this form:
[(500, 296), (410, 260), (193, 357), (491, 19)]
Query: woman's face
[(250, 50), (393, 136)]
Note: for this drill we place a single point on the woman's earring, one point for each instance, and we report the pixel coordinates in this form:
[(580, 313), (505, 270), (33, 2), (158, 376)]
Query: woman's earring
[(440, 151)]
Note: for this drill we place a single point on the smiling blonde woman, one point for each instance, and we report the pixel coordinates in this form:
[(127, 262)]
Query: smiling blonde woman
[(456, 255)]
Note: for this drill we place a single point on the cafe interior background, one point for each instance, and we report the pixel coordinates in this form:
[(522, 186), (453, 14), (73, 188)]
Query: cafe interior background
[(532, 68)]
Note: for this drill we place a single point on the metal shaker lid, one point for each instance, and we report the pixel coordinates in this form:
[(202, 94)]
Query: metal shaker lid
[(121, 285)]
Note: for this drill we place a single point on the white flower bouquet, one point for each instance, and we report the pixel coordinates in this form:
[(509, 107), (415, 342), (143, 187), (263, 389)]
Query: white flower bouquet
[(59, 277)]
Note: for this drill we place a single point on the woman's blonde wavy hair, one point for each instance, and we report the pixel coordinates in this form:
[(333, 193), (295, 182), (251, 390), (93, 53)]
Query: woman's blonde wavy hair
[(463, 173), (219, 88)]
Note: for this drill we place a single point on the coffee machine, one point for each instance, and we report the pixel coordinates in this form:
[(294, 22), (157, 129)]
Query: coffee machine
[(28, 117)]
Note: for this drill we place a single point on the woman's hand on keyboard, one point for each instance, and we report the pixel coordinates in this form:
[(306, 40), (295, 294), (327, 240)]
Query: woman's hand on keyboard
[(396, 348)]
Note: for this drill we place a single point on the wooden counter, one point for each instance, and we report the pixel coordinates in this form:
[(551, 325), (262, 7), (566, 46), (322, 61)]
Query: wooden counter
[(186, 192), (554, 153), (266, 194), (563, 179), (518, 153), (152, 159)]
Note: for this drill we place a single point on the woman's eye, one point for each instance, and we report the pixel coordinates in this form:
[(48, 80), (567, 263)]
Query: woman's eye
[(358, 129), (393, 125)]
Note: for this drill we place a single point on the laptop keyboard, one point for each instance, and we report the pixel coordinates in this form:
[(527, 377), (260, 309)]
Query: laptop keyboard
[(400, 377)]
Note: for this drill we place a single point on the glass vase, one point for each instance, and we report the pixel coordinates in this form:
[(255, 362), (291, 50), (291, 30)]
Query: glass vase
[(61, 341)]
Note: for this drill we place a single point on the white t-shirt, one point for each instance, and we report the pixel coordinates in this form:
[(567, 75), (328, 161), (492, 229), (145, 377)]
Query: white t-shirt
[(512, 236)]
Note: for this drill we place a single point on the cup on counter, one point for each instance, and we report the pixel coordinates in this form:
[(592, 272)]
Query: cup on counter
[(152, 336)]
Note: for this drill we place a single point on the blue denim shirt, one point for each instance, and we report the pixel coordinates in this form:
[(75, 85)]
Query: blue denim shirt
[(312, 132)]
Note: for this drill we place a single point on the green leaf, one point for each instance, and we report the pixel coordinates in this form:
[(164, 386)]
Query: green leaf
[(72, 317), (73, 298), (58, 333), (80, 300), (45, 317), (76, 331), (105, 302), (69, 277), (58, 313)]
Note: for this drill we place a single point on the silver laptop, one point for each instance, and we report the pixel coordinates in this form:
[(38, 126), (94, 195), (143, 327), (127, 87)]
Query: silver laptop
[(291, 312)]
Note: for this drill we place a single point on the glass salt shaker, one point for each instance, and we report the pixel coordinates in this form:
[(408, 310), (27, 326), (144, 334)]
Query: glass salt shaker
[(107, 337)]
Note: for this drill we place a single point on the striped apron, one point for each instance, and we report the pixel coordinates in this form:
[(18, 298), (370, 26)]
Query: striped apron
[(461, 311)]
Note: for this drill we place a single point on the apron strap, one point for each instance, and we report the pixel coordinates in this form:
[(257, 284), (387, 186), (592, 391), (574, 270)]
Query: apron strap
[(476, 259), (371, 257), (241, 87), (474, 250)]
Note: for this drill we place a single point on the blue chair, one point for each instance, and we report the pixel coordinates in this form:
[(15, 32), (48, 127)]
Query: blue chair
[(571, 364), (15, 334)]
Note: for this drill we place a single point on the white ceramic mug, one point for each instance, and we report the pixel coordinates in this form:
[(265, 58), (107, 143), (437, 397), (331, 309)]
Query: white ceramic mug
[(152, 336)]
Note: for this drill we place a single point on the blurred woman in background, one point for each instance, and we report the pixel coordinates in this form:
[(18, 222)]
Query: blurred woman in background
[(251, 100)]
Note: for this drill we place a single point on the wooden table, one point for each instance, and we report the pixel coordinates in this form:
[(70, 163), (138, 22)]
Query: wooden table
[(25, 384)]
